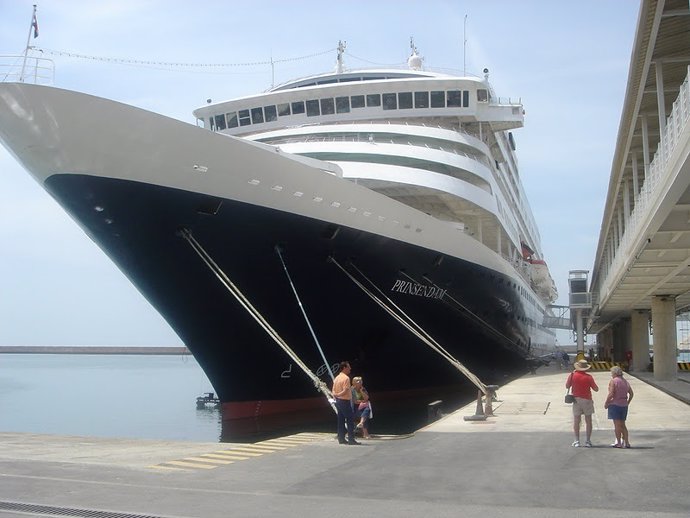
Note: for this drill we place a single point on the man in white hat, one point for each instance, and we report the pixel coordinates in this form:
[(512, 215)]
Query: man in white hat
[(582, 384)]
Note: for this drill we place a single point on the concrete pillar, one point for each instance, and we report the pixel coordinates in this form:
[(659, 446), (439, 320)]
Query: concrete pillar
[(664, 338), (639, 324), (579, 331), (607, 344), (620, 340)]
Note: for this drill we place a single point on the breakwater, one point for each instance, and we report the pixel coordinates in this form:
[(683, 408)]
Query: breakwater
[(77, 349)]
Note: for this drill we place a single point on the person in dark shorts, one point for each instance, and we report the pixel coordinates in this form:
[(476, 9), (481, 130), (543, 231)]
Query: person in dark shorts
[(617, 402)]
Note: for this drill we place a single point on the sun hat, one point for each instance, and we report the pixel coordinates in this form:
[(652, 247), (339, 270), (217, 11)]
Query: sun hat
[(581, 365)]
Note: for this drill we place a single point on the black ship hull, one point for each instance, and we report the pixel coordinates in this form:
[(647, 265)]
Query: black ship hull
[(477, 318)]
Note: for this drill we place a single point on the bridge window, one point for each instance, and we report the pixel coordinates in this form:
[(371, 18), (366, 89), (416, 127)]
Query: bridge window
[(232, 119), (257, 115), (421, 99), (297, 107), (438, 99), (390, 101), (244, 118), (405, 100), (454, 98), (313, 108), (342, 104), (270, 113), (373, 100), (482, 96), (284, 109), (327, 106), (220, 122), (357, 101), (466, 98)]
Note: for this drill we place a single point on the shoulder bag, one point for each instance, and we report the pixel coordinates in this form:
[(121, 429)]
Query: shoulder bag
[(569, 398)]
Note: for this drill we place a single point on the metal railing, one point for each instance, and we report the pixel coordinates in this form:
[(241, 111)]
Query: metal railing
[(659, 172), (27, 69)]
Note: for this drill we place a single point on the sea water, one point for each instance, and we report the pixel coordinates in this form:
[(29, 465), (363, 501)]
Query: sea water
[(129, 396), (139, 397)]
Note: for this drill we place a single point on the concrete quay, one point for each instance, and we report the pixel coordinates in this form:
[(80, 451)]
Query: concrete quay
[(518, 463)]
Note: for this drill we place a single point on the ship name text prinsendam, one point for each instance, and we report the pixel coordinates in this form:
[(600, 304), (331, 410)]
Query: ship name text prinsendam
[(413, 288)]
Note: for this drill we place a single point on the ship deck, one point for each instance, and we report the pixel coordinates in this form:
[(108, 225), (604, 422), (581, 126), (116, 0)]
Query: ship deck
[(518, 463)]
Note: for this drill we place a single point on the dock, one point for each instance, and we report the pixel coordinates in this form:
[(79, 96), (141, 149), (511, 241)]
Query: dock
[(518, 463)]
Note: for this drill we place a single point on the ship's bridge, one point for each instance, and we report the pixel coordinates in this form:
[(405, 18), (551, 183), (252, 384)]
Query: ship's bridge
[(437, 99), (642, 264)]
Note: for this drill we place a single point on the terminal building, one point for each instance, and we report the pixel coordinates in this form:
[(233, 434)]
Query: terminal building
[(640, 280)]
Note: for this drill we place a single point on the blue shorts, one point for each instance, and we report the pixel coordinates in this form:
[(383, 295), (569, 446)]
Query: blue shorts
[(618, 413)]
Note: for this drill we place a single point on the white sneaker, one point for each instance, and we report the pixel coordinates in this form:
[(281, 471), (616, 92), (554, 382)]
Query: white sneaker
[(576, 444), (588, 444)]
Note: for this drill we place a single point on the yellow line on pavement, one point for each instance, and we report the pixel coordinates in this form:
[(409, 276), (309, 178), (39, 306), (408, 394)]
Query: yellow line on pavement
[(203, 458), (245, 451), (223, 457), (186, 464), (231, 455)]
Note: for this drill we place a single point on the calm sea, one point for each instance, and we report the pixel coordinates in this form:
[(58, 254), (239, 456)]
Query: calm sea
[(131, 396)]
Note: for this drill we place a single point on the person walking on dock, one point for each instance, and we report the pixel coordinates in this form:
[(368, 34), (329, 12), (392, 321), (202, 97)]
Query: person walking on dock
[(582, 384), (619, 397), (342, 392)]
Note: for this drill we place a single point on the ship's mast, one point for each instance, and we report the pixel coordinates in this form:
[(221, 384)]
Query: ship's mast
[(339, 59), (28, 40)]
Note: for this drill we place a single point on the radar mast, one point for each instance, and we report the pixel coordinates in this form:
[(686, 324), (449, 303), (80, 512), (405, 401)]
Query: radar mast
[(339, 59)]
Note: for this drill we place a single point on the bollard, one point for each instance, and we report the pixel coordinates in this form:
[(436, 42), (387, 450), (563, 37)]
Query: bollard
[(490, 396), (479, 412), (434, 411)]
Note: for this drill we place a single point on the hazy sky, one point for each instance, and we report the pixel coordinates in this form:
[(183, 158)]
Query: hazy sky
[(567, 61)]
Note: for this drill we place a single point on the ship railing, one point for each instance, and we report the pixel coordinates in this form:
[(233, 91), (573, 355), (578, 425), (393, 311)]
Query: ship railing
[(27, 69), (659, 172), (373, 140), (454, 129), (506, 101)]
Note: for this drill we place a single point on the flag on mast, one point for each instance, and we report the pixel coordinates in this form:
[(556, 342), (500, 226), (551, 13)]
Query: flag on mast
[(34, 24)]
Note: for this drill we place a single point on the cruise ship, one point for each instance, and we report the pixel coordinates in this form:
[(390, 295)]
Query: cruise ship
[(374, 216)]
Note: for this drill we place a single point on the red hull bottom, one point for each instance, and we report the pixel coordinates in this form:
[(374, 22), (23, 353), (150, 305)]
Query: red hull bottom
[(250, 418)]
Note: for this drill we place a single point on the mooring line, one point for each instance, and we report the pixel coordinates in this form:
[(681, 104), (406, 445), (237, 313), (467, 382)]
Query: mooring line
[(413, 327), (254, 313), (304, 313)]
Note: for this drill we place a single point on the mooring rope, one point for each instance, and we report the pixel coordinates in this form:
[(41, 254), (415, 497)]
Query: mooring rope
[(413, 327), (304, 313), (468, 311), (255, 314)]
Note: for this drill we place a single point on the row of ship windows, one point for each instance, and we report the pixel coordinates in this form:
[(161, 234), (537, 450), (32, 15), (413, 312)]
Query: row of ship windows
[(332, 105), (335, 204)]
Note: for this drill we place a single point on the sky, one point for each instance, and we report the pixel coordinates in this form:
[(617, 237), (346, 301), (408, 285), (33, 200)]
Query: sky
[(567, 61)]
